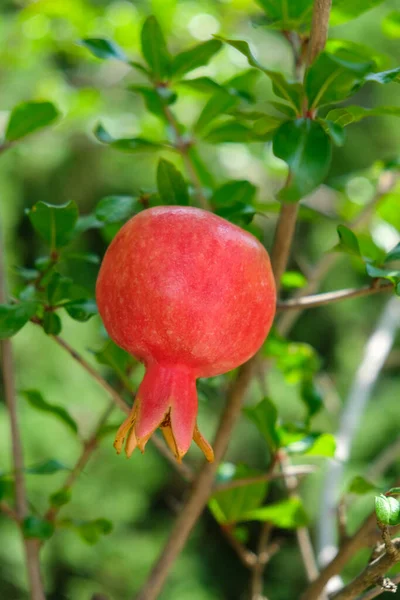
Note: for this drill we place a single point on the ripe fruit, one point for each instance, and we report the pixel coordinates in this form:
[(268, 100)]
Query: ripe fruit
[(190, 295)]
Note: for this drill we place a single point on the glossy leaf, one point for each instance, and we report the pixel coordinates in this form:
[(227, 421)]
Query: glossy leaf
[(54, 223), (14, 316), (359, 485), (335, 132), (352, 114), (312, 444), (29, 117), (375, 272), (154, 49), (387, 510), (311, 395), (103, 48), (264, 415), (172, 188), (394, 254), (287, 514), (229, 506), (230, 132), (34, 527), (348, 241), (52, 323), (307, 149), (333, 77), (293, 280), (220, 103), (291, 92), (155, 99), (113, 209), (134, 145), (394, 490), (234, 192), (195, 57), (81, 310), (205, 85), (392, 75), (36, 400)]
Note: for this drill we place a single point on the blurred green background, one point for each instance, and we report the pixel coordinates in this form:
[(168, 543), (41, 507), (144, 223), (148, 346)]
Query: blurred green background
[(41, 59)]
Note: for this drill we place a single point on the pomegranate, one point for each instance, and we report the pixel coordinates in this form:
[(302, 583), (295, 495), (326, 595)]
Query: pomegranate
[(190, 295)]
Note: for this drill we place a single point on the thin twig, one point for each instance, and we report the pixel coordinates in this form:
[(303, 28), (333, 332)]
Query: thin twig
[(319, 29), (183, 148), (372, 573), (262, 556), (7, 510), (31, 546), (247, 557), (377, 591), (331, 297)]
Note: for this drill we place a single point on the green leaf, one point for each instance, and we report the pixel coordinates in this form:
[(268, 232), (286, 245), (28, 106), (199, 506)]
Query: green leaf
[(14, 316), (288, 16), (36, 400), (291, 92), (103, 48), (266, 125), (283, 108), (233, 193), (113, 209), (348, 241), (293, 280), (393, 75), (6, 488), (54, 223), (221, 102), (391, 25), (387, 510), (230, 132), (287, 514), (154, 49), (240, 214), (205, 85), (155, 99), (312, 444), (134, 145), (229, 506), (29, 117), (120, 361), (81, 310), (264, 415), (394, 254), (344, 10), (307, 149), (171, 184), (37, 528), (51, 323), (47, 467), (334, 77), (352, 114), (394, 490), (374, 272), (195, 57), (91, 531), (335, 132), (359, 485), (60, 498), (311, 396)]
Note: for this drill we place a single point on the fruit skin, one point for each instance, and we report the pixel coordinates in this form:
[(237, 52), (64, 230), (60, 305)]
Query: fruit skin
[(190, 295)]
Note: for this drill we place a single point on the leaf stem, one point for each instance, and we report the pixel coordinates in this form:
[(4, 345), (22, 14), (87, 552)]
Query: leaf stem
[(331, 297)]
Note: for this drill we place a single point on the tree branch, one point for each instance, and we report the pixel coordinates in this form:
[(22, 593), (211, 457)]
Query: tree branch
[(332, 297), (373, 573), (319, 29), (31, 546), (377, 591), (292, 471)]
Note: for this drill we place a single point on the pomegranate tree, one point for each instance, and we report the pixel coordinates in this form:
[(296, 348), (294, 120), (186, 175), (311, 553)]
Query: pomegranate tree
[(190, 295)]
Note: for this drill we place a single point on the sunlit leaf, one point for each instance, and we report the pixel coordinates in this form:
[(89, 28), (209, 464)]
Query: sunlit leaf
[(344, 10), (195, 57), (287, 514), (387, 510)]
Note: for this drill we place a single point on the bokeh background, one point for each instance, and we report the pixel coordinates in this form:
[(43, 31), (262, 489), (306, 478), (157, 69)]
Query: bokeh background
[(40, 58)]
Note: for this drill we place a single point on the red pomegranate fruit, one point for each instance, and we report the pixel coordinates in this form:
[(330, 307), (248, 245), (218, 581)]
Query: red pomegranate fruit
[(190, 295)]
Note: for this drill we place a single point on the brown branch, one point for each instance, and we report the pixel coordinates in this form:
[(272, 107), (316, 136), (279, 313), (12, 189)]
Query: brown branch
[(247, 557), (331, 297), (284, 233), (262, 558), (372, 574), (31, 546), (377, 591), (7, 510), (319, 29), (296, 471), (183, 148)]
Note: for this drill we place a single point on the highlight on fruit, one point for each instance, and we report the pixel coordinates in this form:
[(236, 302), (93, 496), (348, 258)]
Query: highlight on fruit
[(189, 295)]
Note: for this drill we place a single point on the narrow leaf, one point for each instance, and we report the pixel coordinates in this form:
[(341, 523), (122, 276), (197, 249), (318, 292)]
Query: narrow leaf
[(154, 48), (36, 400), (194, 57), (103, 48), (171, 185)]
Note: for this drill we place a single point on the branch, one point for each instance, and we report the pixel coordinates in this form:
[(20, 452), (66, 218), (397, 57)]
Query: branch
[(31, 546), (183, 148), (331, 297), (319, 29), (7, 510), (377, 591), (284, 234), (373, 573)]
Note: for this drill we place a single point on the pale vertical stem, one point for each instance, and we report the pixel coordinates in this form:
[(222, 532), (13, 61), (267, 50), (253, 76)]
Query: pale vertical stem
[(31, 547)]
